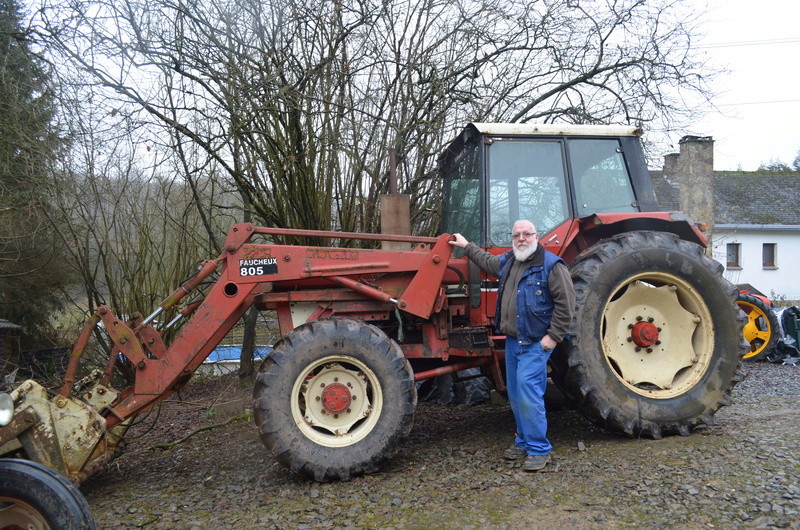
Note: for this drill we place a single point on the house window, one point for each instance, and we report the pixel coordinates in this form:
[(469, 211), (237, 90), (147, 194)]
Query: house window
[(768, 255), (734, 251)]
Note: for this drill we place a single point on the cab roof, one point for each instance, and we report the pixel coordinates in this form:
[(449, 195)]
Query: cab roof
[(550, 129), (475, 130)]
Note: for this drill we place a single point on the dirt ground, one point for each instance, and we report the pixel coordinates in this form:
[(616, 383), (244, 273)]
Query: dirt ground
[(742, 472)]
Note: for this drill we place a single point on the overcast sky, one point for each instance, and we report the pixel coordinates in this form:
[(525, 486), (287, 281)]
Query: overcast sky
[(759, 100)]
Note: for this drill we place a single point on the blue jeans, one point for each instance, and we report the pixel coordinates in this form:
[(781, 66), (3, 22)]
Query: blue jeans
[(526, 378)]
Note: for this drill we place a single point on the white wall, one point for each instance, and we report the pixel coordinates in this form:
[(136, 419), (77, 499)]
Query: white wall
[(783, 281)]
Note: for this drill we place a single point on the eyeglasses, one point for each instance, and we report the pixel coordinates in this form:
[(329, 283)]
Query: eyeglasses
[(523, 235)]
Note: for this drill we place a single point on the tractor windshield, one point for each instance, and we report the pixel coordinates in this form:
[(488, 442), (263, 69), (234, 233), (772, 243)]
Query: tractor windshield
[(526, 181)]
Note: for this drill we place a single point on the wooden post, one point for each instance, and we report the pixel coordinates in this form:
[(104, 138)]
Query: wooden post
[(395, 209)]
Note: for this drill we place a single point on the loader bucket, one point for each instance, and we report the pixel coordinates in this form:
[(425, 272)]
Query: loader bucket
[(67, 434)]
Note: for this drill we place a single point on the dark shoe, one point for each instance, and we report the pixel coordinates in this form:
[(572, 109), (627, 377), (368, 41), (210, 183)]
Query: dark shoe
[(514, 452), (535, 462)]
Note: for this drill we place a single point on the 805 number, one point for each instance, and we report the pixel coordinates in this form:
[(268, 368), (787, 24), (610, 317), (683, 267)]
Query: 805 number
[(251, 271)]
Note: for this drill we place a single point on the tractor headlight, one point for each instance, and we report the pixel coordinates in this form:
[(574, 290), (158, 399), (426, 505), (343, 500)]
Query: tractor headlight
[(6, 409)]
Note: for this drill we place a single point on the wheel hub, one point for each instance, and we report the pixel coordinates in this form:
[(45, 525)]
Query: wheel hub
[(644, 334), (336, 398)]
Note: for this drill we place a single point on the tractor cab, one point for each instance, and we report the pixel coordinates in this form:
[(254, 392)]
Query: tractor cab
[(497, 173)]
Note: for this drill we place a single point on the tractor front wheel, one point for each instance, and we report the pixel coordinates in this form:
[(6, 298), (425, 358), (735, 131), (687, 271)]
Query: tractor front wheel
[(34, 496), (658, 339), (334, 399)]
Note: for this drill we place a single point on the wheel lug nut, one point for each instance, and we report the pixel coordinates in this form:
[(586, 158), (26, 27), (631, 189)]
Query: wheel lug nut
[(649, 350), (650, 319), (317, 398), (639, 319), (638, 348), (658, 342), (630, 339), (630, 326)]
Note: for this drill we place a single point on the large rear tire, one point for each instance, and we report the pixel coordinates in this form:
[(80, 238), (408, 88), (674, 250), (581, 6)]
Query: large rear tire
[(762, 329), (34, 496), (658, 336), (334, 399)]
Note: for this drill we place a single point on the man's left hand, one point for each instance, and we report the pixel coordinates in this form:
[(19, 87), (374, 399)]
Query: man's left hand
[(548, 343)]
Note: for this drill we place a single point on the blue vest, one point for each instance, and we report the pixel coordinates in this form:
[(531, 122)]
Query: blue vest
[(534, 301)]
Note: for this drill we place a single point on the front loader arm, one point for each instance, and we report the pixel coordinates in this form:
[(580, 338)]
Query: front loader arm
[(249, 270), (76, 433)]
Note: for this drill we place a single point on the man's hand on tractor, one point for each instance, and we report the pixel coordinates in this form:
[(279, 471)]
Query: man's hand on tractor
[(459, 241)]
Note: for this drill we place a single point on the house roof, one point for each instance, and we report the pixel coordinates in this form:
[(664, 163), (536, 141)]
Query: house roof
[(666, 191), (743, 198)]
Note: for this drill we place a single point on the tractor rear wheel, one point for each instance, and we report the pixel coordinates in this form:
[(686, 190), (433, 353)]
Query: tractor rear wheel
[(334, 399), (762, 328), (34, 496), (658, 336)]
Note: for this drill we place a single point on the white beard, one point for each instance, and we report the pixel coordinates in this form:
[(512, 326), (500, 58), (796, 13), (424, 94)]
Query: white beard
[(525, 253)]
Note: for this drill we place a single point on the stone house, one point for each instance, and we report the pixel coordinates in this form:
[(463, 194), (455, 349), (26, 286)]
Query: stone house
[(752, 218)]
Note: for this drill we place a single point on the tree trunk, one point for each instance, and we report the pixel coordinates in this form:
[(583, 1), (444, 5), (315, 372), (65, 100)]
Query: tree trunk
[(246, 369)]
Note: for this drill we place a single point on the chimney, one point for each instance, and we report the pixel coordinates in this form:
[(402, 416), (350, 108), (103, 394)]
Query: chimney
[(670, 171), (694, 171)]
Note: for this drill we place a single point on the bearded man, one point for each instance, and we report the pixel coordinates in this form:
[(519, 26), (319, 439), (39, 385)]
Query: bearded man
[(535, 304)]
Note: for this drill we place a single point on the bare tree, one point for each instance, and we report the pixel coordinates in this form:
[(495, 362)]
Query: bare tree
[(296, 102), (293, 105), (133, 223)]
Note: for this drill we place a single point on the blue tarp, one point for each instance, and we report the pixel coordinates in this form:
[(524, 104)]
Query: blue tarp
[(232, 353)]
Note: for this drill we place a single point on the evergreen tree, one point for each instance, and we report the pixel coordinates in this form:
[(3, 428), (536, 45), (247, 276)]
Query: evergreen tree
[(31, 271), (774, 166)]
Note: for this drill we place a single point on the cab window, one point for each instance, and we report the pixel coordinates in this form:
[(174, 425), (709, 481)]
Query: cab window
[(602, 183), (526, 181)]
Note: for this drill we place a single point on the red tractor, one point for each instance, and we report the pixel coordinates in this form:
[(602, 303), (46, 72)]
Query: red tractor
[(655, 348)]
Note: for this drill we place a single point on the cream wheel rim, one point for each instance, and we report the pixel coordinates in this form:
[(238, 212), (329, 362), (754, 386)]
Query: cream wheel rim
[(657, 335), (336, 401)]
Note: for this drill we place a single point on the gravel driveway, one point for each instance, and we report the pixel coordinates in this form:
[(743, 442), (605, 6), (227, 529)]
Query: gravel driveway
[(744, 471)]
